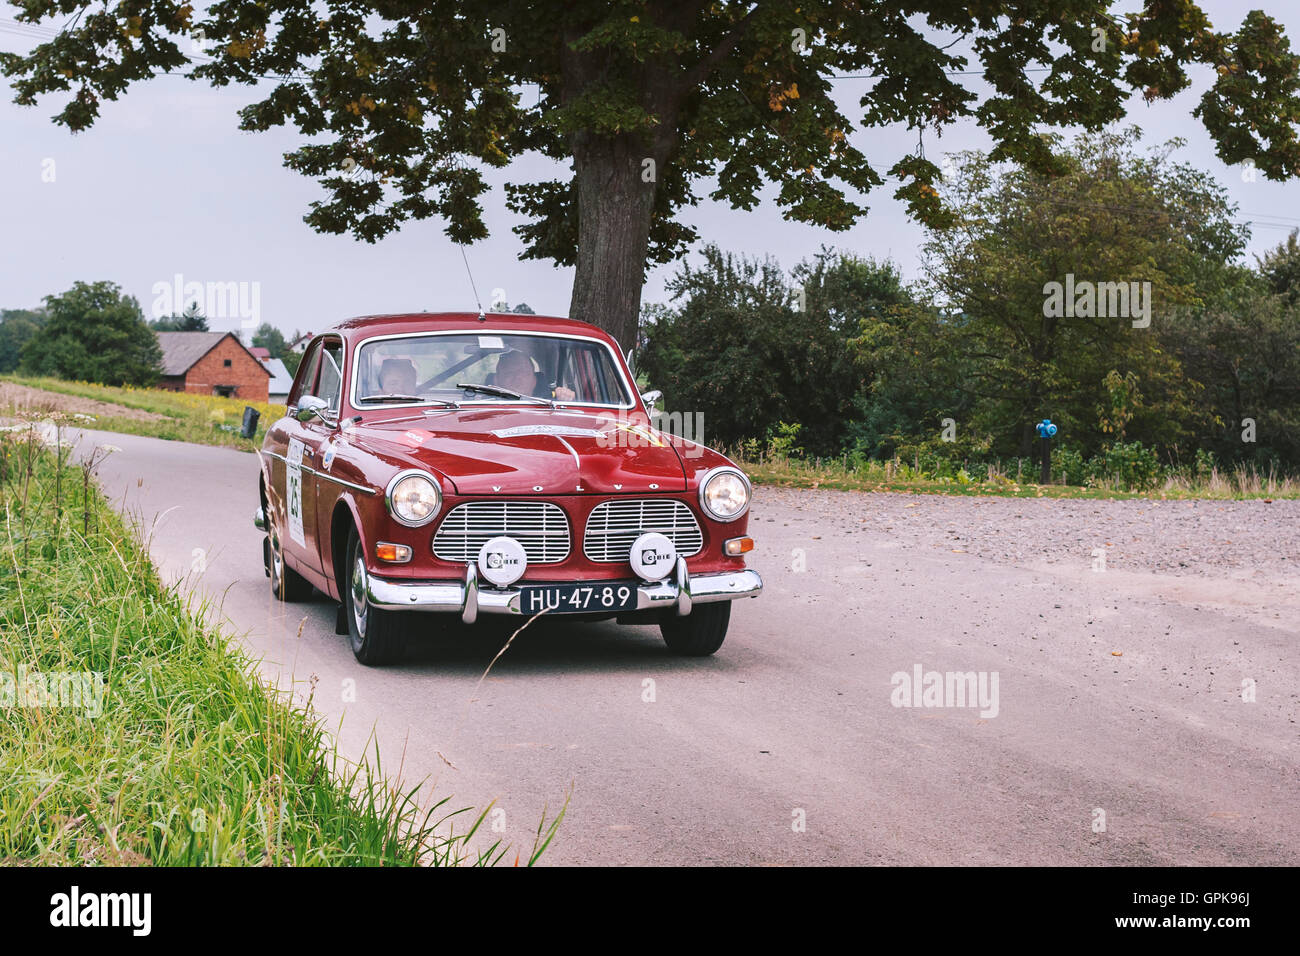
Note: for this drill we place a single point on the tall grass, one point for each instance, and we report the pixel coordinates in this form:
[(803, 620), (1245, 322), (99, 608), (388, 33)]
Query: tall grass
[(188, 759), (1011, 479)]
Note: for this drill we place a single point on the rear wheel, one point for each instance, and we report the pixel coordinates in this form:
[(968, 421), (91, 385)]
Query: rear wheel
[(377, 636), (699, 633), (286, 583)]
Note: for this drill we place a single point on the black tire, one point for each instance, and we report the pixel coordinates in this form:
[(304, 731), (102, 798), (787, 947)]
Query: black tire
[(286, 583), (699, 633), (377, 637)]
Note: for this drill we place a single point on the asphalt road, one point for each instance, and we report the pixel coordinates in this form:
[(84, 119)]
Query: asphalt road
[(1119, 698)]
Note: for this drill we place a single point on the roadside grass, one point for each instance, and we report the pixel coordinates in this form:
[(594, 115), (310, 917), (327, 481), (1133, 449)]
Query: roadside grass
[(183, 757), (844, 474), (202, 419)]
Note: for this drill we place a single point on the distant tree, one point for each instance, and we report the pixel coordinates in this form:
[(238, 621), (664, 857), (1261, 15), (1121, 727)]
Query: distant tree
[(523, 309), (750, 347), (191, 320), (17, 326), (94, 333), (1243, 348), (289, 357), (914, 385), (270, 338), (1116, 221), (1280, 269)]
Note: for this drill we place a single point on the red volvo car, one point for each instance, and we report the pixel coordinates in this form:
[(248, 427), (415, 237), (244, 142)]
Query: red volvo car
[(468, 464)]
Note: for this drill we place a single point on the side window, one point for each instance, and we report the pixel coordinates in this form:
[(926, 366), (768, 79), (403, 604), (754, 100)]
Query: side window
[(331, 375), (307, 380)]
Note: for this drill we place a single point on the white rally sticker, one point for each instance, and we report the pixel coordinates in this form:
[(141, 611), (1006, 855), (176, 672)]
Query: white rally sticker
[(518, 431), (293, 491)]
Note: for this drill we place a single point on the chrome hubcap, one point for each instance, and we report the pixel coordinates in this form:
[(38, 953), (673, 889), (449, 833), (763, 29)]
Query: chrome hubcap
[(359, 608), (277, 562)]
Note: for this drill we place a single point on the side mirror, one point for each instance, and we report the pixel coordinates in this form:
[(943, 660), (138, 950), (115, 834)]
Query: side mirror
[(309, 407), (651, 399)]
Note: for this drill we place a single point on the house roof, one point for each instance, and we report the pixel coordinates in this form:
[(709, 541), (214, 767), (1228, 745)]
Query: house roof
[(261, 354), (180, 350), (281, 381)]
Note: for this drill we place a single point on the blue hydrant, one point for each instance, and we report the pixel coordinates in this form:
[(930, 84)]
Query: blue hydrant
[(1045, 430)]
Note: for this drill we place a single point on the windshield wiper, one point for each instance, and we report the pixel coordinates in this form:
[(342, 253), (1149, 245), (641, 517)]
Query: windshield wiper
[(392, 397), (503, 392)]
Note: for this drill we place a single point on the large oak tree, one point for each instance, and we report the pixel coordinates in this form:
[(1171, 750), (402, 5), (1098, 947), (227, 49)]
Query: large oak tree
[(403, 104)]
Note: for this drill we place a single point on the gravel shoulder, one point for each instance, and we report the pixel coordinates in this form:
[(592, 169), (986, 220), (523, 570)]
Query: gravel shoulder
[(1197, 537), (23, 399)]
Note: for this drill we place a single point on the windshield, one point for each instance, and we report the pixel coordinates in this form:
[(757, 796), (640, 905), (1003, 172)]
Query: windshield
[(465, 367)]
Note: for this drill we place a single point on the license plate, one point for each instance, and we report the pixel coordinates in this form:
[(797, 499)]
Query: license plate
[(577, 598)]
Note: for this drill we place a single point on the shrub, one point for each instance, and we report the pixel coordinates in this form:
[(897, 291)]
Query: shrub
[(1069, 464), (1128, 464)]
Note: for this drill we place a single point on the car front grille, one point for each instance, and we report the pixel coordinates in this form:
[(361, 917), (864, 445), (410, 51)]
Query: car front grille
[(541, 527), (614, 525)]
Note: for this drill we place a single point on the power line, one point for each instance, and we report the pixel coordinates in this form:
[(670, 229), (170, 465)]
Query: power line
[(1273, 216)]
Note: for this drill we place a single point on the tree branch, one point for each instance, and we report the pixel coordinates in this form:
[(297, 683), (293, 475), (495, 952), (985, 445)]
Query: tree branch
[(697, 74)]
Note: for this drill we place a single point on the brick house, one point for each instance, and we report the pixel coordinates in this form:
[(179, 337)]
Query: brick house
[(211, 363)]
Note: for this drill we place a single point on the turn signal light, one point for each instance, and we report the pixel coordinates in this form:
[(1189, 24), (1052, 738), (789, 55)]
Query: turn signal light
[(735, 546), (392, 553)]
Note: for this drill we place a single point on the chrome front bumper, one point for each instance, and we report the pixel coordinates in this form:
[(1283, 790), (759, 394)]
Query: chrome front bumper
[(679, 592)]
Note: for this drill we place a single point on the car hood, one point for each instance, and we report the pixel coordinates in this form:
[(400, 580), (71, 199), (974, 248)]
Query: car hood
[(530, 450)]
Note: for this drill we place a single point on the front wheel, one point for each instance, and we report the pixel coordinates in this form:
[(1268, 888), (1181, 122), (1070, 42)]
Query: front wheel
[(699, 633), (376, 635)]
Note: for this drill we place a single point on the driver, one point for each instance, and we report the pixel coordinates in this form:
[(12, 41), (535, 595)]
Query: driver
[(515, 372), (397, 377)]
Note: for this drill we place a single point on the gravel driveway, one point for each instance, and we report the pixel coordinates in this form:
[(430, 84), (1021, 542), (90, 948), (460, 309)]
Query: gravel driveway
[(1171, 537)]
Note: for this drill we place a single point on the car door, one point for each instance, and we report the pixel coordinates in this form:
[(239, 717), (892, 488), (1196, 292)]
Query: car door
[(302, 454), (316, 435)]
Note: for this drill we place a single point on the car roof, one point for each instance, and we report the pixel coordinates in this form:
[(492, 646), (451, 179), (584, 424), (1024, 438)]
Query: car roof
[(367, 325)]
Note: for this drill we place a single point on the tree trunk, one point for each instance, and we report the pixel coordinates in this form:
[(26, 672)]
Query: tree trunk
[(615, 206), (616, 176)]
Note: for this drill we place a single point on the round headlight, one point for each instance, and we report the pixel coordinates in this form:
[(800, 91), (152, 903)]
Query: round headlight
[(413, 498), (724, 494)]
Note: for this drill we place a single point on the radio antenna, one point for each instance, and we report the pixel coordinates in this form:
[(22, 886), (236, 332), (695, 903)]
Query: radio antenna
[(481, 316)]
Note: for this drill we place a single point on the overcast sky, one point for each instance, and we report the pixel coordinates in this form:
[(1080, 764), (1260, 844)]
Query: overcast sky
[(164, 184)]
